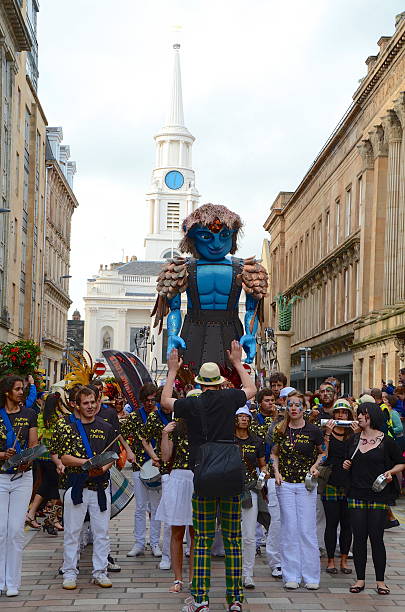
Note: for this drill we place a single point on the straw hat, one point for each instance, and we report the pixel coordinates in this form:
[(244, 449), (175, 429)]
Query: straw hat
[(209, 374), (194, 393), (343, 404)]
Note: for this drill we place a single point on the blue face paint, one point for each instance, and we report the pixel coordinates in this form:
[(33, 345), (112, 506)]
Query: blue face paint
[(323, 446), (298, 405), (212, 246)]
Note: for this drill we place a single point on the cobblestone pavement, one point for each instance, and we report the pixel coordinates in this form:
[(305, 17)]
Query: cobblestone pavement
[(142, 587)]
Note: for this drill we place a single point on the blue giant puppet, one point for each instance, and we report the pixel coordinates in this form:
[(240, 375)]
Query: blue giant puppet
[(213, 280)]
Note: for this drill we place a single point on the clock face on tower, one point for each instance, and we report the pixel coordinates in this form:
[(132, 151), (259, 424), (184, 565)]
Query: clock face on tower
[(174, 179)]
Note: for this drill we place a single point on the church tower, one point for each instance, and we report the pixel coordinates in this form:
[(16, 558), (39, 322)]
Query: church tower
[(172, 195)]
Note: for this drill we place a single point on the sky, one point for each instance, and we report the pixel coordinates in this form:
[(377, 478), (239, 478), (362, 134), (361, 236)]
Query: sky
[(264, 85)]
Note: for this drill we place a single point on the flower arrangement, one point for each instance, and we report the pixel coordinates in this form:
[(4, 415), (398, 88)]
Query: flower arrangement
[(21, 357)]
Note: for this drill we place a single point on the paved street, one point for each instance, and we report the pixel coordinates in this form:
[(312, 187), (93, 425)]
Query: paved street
[(141, 586)]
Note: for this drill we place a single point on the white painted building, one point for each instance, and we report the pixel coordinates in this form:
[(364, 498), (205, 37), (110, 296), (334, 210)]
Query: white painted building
[(121, 296)]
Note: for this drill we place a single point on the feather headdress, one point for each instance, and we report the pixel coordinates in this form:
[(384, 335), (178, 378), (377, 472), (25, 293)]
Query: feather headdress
[(81, 371)]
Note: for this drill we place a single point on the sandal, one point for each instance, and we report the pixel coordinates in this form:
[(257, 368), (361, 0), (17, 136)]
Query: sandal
[(176, 587), (331, 570), (357, 589), (383, 590), (31, 522)]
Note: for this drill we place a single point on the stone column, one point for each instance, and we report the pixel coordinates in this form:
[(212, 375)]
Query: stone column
[(366, 152), (394, 132), (284, 352), (377, 225), (400, 111)]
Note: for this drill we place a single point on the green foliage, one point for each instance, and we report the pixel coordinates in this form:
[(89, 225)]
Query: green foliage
[(285, 310), (21, 357)]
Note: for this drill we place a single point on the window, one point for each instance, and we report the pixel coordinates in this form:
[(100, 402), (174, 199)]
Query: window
[(337, 221), (371, 371), (19, 110), (17, 174), (320, 242), (348, 211), (327, 231), (173, 216), (21, 313)]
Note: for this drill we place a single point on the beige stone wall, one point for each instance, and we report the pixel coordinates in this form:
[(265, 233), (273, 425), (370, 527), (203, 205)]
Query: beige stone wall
[(338, 240), (24, 225)]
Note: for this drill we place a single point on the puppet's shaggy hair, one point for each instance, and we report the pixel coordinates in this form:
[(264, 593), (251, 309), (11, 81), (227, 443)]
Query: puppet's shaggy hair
[(205, 214)]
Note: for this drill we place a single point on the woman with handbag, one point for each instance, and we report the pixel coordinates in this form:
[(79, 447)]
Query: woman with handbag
[(253, 454), (337, 481), (298, 450), (371, 454)]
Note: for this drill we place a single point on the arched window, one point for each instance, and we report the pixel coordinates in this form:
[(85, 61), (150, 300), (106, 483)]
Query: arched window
[(106, 341), (168, 254)]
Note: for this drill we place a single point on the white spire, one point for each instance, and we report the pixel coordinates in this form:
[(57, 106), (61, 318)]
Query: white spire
[(175, 116)]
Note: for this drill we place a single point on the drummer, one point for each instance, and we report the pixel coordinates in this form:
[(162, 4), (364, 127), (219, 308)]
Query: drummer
[(77, 440), (132, 431), (16, 421), (153, 430)]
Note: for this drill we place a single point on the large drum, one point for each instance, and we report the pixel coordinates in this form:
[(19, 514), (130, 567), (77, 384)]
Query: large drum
[(150, 475), (122, 491)]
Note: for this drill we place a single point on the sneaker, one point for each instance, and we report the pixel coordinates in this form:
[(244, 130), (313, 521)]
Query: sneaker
[(236, 606), (156, 552), (187, 553), (11, 592), (165, 563), (248, 582), (350, 555), (136, 551), (258, 551), (312, 586), (69, 583), (103, 581), (112, 566), (291, 585), (191, 606), (322, 553), (276, 572)]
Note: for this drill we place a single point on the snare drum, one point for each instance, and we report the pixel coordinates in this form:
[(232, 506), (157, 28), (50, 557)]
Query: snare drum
[(150, 475), (122, 491)]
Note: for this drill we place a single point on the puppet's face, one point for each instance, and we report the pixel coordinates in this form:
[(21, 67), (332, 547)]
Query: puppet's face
[(212, 244)]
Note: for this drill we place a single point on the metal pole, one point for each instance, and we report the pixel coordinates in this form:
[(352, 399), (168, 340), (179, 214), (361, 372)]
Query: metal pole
[(306, 370)]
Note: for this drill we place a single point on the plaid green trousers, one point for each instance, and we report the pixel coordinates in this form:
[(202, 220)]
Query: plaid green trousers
[(205, 511)]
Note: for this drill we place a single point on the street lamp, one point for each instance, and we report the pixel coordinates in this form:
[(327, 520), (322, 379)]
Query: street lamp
[(64, 276)]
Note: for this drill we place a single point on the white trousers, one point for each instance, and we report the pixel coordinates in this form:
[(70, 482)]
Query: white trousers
[(14, 499), (249, 518), (73, 520), (143, 497), (273, 534), (320, 522), (299, 544)]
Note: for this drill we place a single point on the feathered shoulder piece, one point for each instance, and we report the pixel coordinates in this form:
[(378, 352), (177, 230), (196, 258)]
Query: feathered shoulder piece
[(171, 281), (254, 278)]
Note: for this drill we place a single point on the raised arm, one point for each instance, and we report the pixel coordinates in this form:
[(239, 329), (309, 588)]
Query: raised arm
[(173, 364), (235, 357), (248, 340)]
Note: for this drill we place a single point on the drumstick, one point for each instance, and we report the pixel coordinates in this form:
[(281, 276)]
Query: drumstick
[(16, 438), (111, 443)]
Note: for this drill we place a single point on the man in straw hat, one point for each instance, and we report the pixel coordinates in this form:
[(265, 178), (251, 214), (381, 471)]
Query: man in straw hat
[(219, 406)]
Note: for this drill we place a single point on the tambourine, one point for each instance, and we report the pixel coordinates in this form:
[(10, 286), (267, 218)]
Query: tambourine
[(26, 456), (100, 460)]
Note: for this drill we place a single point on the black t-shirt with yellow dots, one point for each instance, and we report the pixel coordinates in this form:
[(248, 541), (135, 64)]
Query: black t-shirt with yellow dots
[(181, 450), (252, 449), (66, 440), (132, 430), (21, 422), (297, 451)]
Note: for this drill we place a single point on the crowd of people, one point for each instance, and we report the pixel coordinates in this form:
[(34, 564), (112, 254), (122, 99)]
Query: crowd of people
[(319, 471)]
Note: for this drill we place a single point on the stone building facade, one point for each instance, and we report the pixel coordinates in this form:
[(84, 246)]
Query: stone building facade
[(22, 159), (59, 207), (338, 240)]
